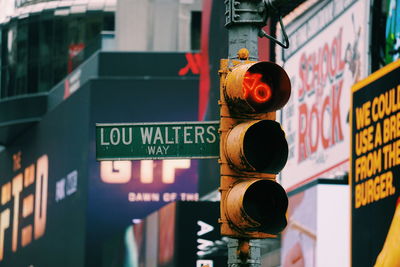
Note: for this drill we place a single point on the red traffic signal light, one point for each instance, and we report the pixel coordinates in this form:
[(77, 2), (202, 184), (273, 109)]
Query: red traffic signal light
[(253, 149), (257, 87)]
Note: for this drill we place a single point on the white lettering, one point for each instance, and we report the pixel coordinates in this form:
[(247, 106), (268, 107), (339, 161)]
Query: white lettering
[(102, 142), (157, 150), (115, 136), (189, 196), (60, 190), (129, 141), (143, 197), (167, 141), (146, 135), (151, 150), (211, 132), (204, 228), (165, 149), (186, 134), (168, 197), (158, 136), (204, 244), (199, 132), (72, 183), (176, 129)]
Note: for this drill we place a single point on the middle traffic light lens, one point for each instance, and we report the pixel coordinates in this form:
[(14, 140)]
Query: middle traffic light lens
[(258, 145), (265, 146)]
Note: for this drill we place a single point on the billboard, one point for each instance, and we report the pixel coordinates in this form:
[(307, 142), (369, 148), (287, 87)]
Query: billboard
[(375, 172), (318, 228), (43, 192), (179, 234), (327, 55), (123, 192), (57, 203), (392, 32)]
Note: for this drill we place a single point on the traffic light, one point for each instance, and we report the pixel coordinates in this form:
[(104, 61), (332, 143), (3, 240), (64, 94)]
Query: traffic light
[(253, 148)]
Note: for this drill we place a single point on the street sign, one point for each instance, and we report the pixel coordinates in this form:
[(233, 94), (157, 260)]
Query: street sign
[(158, 140)]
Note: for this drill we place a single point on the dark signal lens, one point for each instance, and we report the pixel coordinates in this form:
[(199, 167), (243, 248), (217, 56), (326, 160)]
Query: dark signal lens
[(254, 89)]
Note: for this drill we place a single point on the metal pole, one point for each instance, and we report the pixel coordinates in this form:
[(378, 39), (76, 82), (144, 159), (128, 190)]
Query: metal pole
[(244, 19), (243, 252)]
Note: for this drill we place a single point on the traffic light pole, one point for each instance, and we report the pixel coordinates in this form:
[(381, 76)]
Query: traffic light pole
[(242, 252), (243, 28), (244, 21)]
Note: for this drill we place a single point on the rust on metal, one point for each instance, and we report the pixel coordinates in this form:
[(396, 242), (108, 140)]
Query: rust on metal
[(234, 176), (243, 54), (243, 250)]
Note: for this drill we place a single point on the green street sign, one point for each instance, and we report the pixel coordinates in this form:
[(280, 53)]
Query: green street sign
[(158, 140)]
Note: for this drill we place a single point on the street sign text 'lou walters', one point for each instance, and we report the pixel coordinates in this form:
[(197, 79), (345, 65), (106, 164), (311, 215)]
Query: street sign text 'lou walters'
[(126, 141)]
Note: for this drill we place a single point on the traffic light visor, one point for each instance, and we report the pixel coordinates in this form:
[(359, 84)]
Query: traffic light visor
[(257, 87)]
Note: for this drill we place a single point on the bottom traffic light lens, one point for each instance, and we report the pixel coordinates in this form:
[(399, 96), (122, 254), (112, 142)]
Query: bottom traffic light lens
[(266, 202), (256, 205)]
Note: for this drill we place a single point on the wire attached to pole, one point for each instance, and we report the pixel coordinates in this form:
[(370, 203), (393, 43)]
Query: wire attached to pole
[(285, 44)]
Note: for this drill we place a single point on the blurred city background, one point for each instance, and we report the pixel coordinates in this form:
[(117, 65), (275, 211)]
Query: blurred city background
[(66, 66)]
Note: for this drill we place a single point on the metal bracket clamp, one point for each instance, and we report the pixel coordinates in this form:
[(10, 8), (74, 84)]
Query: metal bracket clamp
[(255, 12), (242, 12)]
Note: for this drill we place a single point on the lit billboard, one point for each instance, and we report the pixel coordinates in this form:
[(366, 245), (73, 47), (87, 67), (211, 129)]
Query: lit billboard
[(121, 192), (57, 203), (327, 55), (44, 191), (180, 234)]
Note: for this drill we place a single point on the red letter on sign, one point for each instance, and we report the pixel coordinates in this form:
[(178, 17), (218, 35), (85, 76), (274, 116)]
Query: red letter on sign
[(303, 126)]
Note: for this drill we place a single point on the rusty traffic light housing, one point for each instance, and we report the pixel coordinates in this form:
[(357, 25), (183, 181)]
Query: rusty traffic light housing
[(253, 148)]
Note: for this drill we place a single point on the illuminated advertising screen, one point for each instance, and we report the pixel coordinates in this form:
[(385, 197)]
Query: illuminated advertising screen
[(327, 55), (375, 172), (180, 234), (43, 191), (57, 203), (121, 192)]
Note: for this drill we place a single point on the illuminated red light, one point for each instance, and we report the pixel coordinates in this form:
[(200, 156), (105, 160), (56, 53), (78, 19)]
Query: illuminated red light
[(255, 89)]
